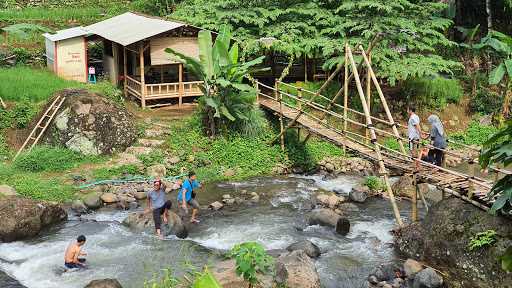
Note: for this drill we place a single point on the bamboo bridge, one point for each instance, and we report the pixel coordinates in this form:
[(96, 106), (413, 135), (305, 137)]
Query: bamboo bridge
[(357, 132)]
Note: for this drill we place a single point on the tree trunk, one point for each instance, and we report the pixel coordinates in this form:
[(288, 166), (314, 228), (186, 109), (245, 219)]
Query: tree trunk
[(488, 8)]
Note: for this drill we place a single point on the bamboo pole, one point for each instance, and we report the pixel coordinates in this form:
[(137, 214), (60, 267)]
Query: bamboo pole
[(350, 77), (374, 138), (345, 97), (180, 84), (383, 100), (471, 185), (368, 88), (142, 82), (281, 120), (414, 199)]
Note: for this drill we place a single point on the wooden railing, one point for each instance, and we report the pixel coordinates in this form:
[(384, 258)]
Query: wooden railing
[(172, 90), (192, 88), (133, 87)]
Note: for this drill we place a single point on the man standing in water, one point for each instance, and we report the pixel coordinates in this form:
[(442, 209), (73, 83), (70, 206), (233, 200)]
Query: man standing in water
[(74, 250), (158, 205), (187, 196)]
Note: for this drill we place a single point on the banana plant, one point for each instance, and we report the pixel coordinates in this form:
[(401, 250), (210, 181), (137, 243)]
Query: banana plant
[(226, 98), (501, 45)]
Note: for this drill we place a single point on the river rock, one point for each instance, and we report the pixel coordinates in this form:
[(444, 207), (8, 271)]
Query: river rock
[(404, 187), (140, 195), (109, 198), (78, 206), (225, 273), (22, 218), (385, 272), (91, 124), (359, 193), (296, 269), (348, 208), (140, 221), (139, 150), (6, 190), (216, 205), (104, 283), (327, 217), (156, 171), (307, 246), (442, 238), (92, 201), (427, 278), (411, 267)]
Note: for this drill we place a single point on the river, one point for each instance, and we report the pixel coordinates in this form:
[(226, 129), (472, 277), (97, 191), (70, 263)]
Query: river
[(116, 252)]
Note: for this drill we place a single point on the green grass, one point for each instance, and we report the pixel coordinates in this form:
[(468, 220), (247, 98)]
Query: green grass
[(247, 156), (106, 173), (51, 159)]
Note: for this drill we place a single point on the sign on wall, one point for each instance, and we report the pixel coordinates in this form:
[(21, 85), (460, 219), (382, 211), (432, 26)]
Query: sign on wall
[(184, 45), (71, 59)]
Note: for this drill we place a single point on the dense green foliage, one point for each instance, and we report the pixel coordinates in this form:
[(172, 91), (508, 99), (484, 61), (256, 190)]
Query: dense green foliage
[(251, 260), (482, 239), (374, 183), (117, 172), (433, 92), (498, 150), (475, 134), (413, 30), (227, 104)]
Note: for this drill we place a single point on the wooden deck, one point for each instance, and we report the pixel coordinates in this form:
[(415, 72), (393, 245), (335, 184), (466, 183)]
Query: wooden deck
[(471, 189)]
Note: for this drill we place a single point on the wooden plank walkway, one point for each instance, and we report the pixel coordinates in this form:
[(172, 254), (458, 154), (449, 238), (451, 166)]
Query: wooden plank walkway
[(455, 183)]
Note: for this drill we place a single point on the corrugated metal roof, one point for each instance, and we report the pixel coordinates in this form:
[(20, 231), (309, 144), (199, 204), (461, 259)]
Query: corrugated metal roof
[(129, 28), (66, 34)]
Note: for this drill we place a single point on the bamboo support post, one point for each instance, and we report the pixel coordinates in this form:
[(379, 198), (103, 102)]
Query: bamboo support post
[(125, 72), (3, 103), (180, 84), (471, 185), (345, 97), (374, 138), (281, 120), (368, 89), (142, 82), (383, 100), (414, 199), (342, 89)]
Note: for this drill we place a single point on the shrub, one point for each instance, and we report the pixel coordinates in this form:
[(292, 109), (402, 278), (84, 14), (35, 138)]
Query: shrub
[(107, 89), (432, 92), (251, 259), (374, 183), (486, 101), (475, 134), (46, 158), (154, 157), (482, 239), (5, 152), (115, 172)]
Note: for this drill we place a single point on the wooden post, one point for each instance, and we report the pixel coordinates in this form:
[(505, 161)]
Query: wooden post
[(142, 82), (305, 68), (180, 84), (374, 138), (257, 86), (383, 101), (281, 121), (414, 200), (125, 72), (161, 74), (368, 92), (471, 185), (299, 105), (345, 97)]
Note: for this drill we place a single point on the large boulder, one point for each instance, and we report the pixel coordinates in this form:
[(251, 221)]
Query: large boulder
[(6, 190), (23, 218), (91, 124), (327, 217), (141, 221), (307, 246), (404, 187), (104, 283), (296, 269), (359, 193), (442, 239)]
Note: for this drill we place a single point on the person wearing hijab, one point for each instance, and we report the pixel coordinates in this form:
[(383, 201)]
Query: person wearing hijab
[(438, 139)]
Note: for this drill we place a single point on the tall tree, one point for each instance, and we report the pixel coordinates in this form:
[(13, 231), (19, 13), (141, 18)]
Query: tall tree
[(414, 30)]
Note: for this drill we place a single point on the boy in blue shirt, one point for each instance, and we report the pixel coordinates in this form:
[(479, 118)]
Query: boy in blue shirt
[(187, 194)]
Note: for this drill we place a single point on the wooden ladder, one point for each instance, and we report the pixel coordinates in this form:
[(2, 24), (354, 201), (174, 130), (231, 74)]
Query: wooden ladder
[(41, 125)]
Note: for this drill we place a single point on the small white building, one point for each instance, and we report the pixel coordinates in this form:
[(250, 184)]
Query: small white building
[(66, 53)]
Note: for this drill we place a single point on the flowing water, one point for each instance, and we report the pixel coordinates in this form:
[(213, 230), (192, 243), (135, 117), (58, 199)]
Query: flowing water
[(116, 252)]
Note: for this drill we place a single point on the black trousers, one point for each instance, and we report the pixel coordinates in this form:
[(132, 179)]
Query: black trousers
[(437, 157), (158, 212)]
